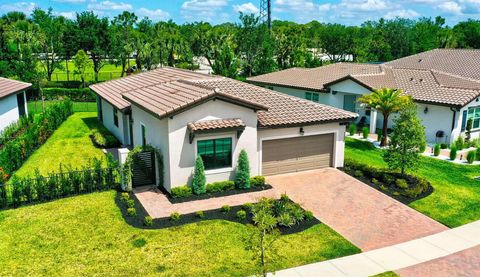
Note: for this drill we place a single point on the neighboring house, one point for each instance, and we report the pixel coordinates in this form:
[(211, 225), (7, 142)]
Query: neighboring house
[(186, 114), (13, 103), (445, 84)]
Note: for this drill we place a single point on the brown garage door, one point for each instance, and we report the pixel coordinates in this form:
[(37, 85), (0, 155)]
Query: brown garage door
[(297, 154)]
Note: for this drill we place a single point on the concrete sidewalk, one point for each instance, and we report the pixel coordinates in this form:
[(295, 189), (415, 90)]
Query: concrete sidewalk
[(394, 257)]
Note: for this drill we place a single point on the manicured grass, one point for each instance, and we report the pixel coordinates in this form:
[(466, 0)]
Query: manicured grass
[(107, 72), (456, 197), (36, 106), (69, 145), (86, 235)]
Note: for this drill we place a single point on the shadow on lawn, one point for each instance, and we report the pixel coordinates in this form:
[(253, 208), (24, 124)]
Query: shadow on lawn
[(359, 145), (91, 122)]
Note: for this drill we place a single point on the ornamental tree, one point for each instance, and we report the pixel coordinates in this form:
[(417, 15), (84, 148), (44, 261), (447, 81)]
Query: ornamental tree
[(242, 175), (199, 182), (407, 140)]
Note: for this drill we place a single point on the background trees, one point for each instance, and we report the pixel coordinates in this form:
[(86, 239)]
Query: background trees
[(44, 42)]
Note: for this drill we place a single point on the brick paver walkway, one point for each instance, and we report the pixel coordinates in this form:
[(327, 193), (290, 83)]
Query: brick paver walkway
[(157, 204), (363, 215)]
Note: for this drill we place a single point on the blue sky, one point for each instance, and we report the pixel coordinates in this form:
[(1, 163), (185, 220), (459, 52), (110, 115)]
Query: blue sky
[(350, 12)]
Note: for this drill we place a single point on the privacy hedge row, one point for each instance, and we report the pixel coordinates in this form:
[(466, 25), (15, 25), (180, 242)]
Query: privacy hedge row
[(75, 94), (15, 151), (13, 130), (22, 191)]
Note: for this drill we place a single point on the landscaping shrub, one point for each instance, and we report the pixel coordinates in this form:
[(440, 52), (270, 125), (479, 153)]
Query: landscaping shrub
[(352, 129), (242, 215), (130, 203), (247, 207), (379, 134), (460, 143), (477, 154), (401, 183), (220, 186), (148, 221), (125, 196), (257, 181), (242, 174), (16, 150), (436, 150), (75, 94), (199, 180), (471, 156), (200, 214), (175, 216), (225, 209), (101, 137), (309, 215), (443, 146), (286, 220), (358, 173), (131, 212), (453, 153), (180, 192), (375, 181), (365, 132), (3, 176), (295, 211)]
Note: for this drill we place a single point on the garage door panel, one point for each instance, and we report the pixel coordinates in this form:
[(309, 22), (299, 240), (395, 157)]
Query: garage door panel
[(297, 154)]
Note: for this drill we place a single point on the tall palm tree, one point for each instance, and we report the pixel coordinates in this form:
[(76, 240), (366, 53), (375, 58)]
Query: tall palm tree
[(387, 101)]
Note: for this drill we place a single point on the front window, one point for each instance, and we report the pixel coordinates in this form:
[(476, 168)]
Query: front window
[(312, 96), (215, 153), (474, 115)]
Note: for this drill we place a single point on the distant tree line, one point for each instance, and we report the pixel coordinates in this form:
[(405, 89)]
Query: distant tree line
[(32, 47)]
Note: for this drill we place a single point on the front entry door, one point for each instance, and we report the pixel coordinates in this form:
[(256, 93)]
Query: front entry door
[(349, 102)]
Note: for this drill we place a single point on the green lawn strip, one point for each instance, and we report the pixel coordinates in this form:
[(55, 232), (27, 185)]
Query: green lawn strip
[(386, 274), (86, 235), (69, 145), (36, 106), (107, 72), (456, 197)]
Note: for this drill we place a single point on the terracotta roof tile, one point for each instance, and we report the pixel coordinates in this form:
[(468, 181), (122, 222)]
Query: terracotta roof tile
[(215, 124), (9, 87)]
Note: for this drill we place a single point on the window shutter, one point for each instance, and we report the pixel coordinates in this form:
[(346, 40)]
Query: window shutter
[(464, 120)]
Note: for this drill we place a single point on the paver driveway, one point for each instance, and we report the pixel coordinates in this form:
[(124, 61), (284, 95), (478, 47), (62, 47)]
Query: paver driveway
[(363, 215)]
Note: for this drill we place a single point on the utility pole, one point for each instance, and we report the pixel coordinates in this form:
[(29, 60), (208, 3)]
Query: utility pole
[(266, 12)]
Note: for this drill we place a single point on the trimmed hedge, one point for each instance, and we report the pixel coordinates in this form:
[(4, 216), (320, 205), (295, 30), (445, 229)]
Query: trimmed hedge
[(181, 192), (220, 186), (75, 94), (101, 137), (16, 151)]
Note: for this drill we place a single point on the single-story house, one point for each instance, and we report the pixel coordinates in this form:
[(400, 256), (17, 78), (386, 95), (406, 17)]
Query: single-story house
[(13, 101), (187, 114), (444, 83)]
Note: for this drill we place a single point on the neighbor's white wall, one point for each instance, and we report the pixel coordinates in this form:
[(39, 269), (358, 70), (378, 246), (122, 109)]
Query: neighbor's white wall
[(335, 128), (156, 135), (9, 112), (118, 132), (438, 118), (183, 154)]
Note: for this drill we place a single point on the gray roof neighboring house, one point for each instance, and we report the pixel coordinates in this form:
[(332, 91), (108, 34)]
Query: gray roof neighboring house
[(167, 91), (441, 76), (9, 87)]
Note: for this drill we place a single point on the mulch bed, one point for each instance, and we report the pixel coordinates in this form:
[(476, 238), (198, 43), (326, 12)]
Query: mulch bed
[(213, 194), (392, 190), (217, 214)]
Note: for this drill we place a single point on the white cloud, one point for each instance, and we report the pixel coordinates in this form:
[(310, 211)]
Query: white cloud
[(246, 8), (293, 5), (203, 10), (70, 1), (364, 5), (25, 7), (402, 13), (153, 14), (451, 7), (109, 5), (69, 15)]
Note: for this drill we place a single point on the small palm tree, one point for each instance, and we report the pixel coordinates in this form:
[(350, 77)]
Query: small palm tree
[(387, 101)]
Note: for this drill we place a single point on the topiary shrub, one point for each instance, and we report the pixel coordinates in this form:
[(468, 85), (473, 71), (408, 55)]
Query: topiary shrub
[(199, 181), (365, 132), (131, 212), (436, 150), (225, 209), (471, 156), (242, 174), (242, 215), (352, 129), (257, 181), (460, 143), (181, 192), (148, 221), (175, 216), (453, 153)]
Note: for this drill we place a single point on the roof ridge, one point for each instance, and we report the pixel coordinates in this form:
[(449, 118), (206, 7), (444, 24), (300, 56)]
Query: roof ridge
[(455, 75)]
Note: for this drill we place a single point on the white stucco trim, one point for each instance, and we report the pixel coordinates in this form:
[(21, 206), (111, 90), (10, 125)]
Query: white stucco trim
[(218, 136), (334, 151)]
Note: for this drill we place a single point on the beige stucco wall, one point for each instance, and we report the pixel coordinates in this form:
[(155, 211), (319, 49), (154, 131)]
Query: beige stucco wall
[(335, 128), (183, 154)]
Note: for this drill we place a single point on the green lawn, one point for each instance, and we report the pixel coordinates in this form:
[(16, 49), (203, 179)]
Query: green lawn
[(107, 72), (86, 235), (456, 197), (69, 144), (36, 106)]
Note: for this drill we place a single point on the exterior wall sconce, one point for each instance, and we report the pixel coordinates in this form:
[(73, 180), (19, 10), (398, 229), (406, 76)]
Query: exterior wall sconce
[(302, 132), (426, 110), (334, 92)]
